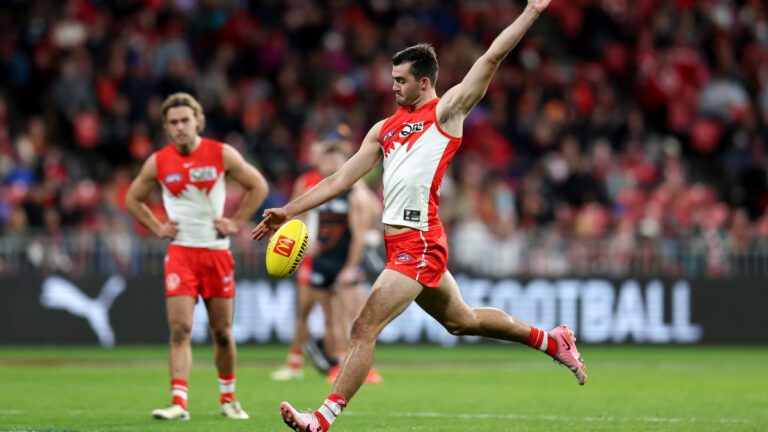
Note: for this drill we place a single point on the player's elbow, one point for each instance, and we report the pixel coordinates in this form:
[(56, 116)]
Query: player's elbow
[(132, 204), (262, 187), (492, 59)]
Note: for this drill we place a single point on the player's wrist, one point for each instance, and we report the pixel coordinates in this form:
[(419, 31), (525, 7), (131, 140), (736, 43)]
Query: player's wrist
[(531, 10), (289, 211)]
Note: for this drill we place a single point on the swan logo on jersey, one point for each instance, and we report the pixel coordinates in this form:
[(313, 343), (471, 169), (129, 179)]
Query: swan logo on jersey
[(203, 174), (410, 128), (284, 246)]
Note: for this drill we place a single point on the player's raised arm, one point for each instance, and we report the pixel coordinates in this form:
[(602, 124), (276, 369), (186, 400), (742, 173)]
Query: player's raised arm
[(460, 99), (353, 170)]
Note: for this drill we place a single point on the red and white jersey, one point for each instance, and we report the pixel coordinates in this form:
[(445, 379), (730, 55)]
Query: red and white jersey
[(416, 154), (194, 192)]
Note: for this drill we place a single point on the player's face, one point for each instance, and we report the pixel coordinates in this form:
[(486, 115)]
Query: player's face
[(405, 85), (181, 127)]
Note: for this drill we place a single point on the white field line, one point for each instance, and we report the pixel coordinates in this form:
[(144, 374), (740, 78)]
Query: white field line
[(557, 418)]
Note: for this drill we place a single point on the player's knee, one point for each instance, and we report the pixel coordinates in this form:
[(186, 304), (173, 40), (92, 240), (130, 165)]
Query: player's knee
[(180, 332), (465, 325), (361, 331), (457, 328), (222, 335)]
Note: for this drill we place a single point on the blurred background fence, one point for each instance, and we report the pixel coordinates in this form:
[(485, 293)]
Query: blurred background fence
[(532, 255)]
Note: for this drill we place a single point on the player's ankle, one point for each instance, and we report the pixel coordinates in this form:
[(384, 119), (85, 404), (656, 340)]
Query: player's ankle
[(542, 341), (179, 390), (330, 410)]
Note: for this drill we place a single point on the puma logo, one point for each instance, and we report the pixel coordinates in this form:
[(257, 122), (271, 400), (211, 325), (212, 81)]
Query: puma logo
[(59, 293)]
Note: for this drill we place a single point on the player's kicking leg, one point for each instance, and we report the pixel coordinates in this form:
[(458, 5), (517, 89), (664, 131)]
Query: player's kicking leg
[(391, 295), (446, 305)]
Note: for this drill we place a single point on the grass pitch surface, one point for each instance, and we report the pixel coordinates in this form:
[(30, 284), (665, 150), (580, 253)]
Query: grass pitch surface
[(466, 388)]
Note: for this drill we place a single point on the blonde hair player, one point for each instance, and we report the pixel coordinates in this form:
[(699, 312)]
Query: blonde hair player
[(191, 172), (416, 145)]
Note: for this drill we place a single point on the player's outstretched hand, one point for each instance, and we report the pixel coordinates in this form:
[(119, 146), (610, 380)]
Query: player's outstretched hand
[(273, 218), (539, 5)]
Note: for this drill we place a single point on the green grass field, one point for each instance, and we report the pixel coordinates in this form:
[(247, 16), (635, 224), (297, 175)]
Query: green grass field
[(468, 388)]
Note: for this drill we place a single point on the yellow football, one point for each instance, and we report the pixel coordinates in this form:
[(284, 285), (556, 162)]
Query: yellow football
[(286, 249)]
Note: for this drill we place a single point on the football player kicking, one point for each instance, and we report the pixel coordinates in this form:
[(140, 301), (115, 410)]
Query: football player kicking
[(416, 145)]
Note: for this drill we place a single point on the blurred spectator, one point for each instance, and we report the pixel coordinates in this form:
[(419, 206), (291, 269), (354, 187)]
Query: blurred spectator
[(637, 125)]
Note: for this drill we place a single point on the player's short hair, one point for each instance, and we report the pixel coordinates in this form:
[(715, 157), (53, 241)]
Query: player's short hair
[(423, 61), (184, 100)]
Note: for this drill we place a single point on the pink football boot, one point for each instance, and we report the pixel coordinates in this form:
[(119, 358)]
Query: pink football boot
[(567, 353), (299, 422)]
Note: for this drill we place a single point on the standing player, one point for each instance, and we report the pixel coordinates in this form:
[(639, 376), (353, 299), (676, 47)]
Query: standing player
[(417, 144), (191, 173)]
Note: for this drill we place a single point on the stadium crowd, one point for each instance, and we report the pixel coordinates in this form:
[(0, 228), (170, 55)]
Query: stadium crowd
[(621, 134)]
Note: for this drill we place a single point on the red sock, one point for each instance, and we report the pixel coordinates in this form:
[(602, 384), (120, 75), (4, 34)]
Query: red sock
[(226, 388), (295, 359), (542, 341), (329, 410), (179, 389)]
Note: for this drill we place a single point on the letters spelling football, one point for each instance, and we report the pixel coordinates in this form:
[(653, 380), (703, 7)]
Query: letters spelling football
[(286, 249)]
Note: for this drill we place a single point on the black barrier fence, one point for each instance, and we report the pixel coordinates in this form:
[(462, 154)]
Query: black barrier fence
[(112, 310)]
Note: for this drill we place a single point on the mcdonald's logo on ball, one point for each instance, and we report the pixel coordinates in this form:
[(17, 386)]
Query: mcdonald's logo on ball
[(283, 257)]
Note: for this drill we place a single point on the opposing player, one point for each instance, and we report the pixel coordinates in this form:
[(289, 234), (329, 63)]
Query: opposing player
[(336, 273), (191, 172), (417, 144), (335, 278)]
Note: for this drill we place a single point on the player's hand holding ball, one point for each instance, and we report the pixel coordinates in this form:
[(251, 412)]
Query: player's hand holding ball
[(273, 218)]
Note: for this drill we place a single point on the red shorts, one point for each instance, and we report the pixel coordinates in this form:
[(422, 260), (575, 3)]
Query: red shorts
[(199, 271), (420, 255)]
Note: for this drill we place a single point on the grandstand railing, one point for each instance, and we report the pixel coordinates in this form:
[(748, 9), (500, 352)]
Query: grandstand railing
[(534, 255)]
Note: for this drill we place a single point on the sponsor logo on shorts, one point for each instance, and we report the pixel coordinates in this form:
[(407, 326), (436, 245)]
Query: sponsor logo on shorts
[(403, 258), (284, 246), (172, 282)]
